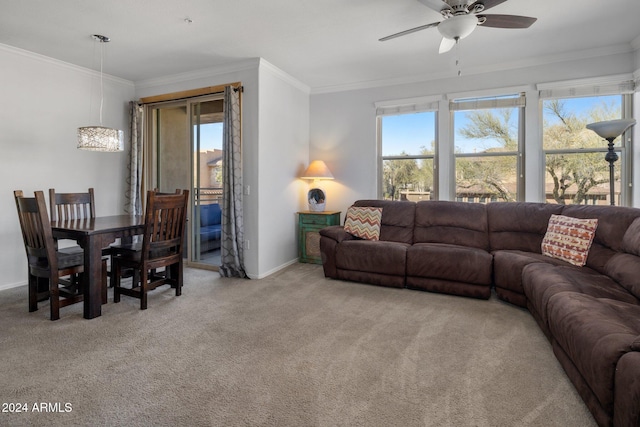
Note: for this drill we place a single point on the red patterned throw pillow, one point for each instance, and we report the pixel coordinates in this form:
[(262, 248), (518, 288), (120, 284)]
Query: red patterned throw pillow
[(363, 222), (569, 239)]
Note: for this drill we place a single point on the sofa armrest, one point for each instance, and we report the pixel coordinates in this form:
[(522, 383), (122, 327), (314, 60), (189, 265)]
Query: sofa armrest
[(626, 405), (330, 238), (337, 233)]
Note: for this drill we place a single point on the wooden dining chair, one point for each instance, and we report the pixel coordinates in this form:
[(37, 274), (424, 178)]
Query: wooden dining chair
[(161, 246), (68, 206), (44, 259), (72, 206)]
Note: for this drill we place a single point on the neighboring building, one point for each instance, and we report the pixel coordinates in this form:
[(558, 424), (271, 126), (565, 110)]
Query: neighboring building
[(210, 175)]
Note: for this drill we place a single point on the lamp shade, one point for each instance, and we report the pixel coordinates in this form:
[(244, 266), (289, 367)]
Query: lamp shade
[(99, 138), (611, 129), (458, 26), (317, 170)]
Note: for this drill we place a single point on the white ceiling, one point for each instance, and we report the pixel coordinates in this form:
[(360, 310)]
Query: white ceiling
[(323, 43)]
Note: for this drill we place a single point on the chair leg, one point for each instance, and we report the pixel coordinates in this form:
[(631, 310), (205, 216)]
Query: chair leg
[(178, 278), (33, 293), (104, 281), (143, 289), (115, 280), (54, 298)]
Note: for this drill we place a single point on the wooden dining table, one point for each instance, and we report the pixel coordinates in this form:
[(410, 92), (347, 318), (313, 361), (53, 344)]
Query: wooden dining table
[(93, 235)]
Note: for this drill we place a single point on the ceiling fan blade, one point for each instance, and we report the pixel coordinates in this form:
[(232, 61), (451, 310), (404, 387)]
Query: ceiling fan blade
[(412, 30), (437, 5), (506, 21), (488, 4), (446, 45)]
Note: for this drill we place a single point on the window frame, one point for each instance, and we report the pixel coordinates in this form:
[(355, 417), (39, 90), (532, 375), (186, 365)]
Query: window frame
[(624, 149), (515, 100), (413, 106)]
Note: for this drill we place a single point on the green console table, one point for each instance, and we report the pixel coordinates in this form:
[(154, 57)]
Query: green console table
[(309, 226)]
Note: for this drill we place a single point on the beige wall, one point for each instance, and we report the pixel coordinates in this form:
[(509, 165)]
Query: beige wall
[(174, 149), (43, 103)]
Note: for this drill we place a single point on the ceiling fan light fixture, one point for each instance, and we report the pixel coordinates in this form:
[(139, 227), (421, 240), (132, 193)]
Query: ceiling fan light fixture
[(458, 27)]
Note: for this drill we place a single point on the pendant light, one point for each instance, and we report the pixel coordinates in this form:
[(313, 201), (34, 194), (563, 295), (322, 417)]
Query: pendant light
[(100, 138)]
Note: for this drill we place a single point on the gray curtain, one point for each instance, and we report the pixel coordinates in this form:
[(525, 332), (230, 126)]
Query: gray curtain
[(133, 204), (232, 245)]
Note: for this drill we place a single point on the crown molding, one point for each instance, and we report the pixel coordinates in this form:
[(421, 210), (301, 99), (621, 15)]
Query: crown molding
[(513, 65), (287, 78), (64, 65), (231, 67)]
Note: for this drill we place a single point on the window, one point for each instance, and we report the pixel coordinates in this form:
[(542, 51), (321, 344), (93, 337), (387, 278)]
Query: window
[(407, 145), (575, 169), (488, 148)]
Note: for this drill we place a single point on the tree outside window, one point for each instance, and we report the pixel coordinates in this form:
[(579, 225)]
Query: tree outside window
[(408, 152), (575, 169), (487, 149)]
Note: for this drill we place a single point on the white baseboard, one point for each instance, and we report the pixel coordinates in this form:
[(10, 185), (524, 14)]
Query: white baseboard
[(11, 285), (274, 270)]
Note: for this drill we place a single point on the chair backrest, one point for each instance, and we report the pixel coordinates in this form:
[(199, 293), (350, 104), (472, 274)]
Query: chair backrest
[(160, 193), (165, 218), (67, 206), (36, 230)]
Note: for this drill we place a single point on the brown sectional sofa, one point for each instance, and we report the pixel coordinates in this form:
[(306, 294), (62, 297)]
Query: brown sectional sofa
[(590, 314)]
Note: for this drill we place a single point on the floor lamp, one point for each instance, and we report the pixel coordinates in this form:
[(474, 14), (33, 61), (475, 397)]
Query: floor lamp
[(610, 130)]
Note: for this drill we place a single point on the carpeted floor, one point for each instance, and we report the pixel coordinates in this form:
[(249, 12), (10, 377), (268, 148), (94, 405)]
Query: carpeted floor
[(294, 349)]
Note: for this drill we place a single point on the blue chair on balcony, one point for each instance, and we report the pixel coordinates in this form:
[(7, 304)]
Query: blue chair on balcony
[(210, 227)]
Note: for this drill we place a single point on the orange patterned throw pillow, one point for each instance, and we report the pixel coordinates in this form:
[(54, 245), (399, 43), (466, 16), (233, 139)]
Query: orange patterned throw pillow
[(363, 222), (569, 239)]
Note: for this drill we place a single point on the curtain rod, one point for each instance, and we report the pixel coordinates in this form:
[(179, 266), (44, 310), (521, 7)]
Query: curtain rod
[(176, 96)]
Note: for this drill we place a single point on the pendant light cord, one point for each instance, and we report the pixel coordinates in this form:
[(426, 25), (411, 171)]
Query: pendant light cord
[(101, 84)]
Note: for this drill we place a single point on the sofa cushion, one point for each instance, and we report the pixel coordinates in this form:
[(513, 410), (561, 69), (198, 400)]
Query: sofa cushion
[(454, 223), (397, 219), (613, 223), (631, 238), (449, 262), (625, 269), (569, 239), (594, 333), (519, 226), (542, 281), (507, 273), (363, 222), (372, 256)]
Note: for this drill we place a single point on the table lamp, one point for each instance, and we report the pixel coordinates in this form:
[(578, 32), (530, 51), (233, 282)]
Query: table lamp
[(317, 171), (610, 130)]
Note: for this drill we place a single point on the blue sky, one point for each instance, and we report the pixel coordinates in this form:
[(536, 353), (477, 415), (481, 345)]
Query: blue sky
[(410, 132), (211, 136)]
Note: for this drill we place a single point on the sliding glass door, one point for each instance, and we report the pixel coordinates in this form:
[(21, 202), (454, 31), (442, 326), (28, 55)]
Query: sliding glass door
[(206, 138), (186, 144)]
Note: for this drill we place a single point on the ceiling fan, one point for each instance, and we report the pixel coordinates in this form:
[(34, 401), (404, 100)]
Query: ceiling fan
[(461, 17)]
